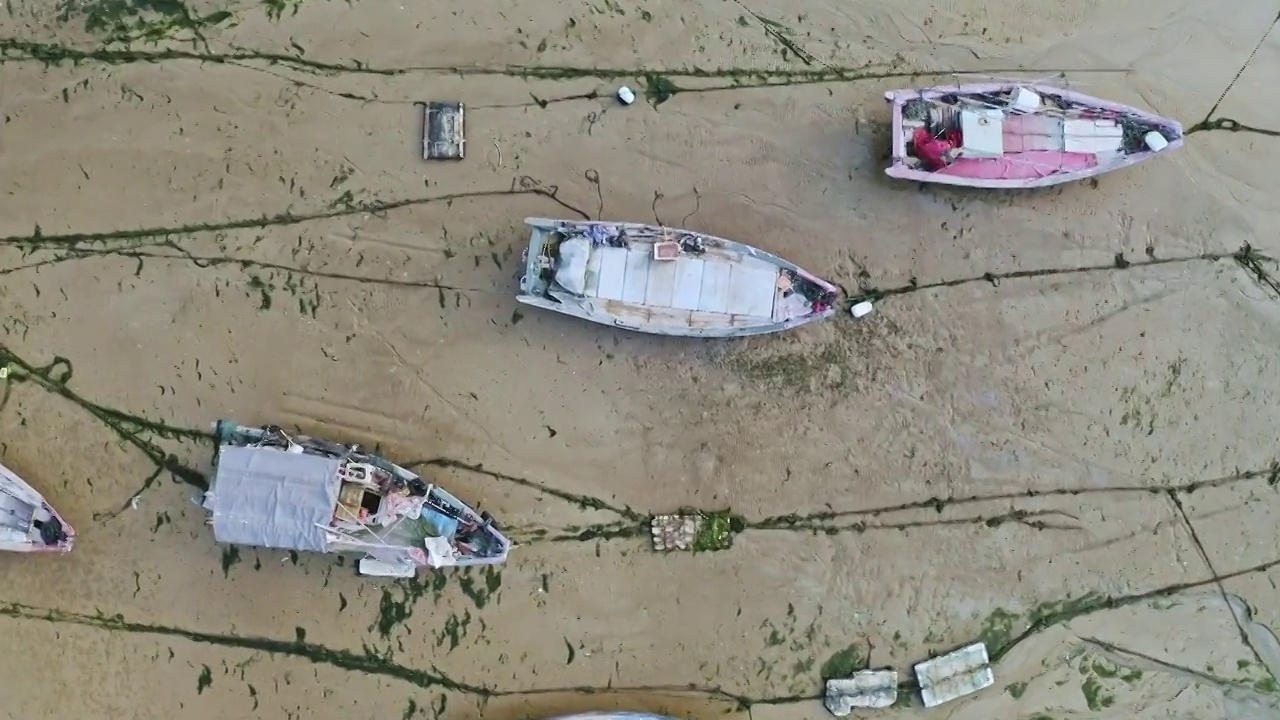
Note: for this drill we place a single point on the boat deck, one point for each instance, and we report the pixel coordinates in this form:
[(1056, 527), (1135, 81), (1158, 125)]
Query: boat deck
[(1001, 145), (715, 288), (15, 513)]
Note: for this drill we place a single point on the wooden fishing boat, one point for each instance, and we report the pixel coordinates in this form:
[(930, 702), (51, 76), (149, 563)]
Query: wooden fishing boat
[(300, 493), (27, 522), (1018, 135), (667, 281)]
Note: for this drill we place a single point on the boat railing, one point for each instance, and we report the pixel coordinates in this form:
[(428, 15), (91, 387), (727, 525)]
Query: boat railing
[(353, 540)]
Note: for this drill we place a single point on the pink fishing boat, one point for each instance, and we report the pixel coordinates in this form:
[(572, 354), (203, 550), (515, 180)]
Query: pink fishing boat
[(1018, 135), (27, 522)]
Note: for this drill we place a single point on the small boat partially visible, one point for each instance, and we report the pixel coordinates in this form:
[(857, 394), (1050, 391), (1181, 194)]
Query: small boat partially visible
[(1018, 135), (27, 522), (667, 281), (613, 715), (274, 490)]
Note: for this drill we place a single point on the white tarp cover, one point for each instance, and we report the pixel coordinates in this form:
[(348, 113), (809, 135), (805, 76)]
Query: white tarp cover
[(266, 497), (572, 270), (440, 552)]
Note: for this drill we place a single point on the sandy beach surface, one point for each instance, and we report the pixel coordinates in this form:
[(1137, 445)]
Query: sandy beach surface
[(1057, 432)]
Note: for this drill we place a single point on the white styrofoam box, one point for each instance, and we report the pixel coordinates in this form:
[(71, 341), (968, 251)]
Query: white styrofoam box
[(1091, 136), (866, 689), (1025, 100), (954, 675), (982, 132), (1107, 128)]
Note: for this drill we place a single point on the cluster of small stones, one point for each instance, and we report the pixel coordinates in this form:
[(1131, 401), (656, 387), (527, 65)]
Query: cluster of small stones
[(675, 532)]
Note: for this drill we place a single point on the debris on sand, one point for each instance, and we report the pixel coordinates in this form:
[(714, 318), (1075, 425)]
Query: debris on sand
[(954, 675), (674, 532), (442, 131), (866, 689), (695, 531)]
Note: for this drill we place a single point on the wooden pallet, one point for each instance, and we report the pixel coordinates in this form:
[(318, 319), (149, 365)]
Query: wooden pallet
[(442, 131)]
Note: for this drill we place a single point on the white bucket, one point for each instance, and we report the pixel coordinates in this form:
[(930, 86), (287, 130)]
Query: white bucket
[(1155, 141), (861, 310)]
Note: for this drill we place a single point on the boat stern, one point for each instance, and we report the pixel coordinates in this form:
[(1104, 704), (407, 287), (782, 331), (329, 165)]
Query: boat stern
[(532, 285), (898, 143)]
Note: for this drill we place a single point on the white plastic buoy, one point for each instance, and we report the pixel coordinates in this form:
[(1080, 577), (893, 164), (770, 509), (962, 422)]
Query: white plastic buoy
[(625, 96), (861, 309), (1155, 141)]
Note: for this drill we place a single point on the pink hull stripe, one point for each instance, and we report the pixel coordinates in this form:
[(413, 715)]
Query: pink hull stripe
[(1022, 166)]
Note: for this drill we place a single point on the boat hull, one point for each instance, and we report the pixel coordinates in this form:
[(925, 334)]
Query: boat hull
[(670, 330), (1023, 170), (17, 496)]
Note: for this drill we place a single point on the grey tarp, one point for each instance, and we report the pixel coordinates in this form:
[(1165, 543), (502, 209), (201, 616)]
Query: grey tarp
[(270, 498)]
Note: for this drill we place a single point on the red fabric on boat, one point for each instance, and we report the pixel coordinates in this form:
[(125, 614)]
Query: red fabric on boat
[(933, 151)]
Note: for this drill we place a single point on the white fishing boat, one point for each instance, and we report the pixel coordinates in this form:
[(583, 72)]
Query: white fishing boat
[(274, 490), (27, 522), (667, 281)]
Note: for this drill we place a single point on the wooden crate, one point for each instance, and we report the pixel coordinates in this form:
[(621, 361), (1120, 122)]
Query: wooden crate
[(442, 131)]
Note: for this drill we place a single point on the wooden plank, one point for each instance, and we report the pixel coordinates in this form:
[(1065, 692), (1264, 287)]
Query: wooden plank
[(637, 279), (751, 291), (701, 319), (765, 296), (592, 284), (627, 313), (688, 286), (714, 297), (669, 316), (662, 284), (613, 272)]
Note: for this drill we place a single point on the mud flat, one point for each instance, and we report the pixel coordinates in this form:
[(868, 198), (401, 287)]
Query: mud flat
[(1055, 434)]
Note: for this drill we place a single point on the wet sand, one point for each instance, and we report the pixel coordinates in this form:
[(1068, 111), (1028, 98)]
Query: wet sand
[(235, 221)]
